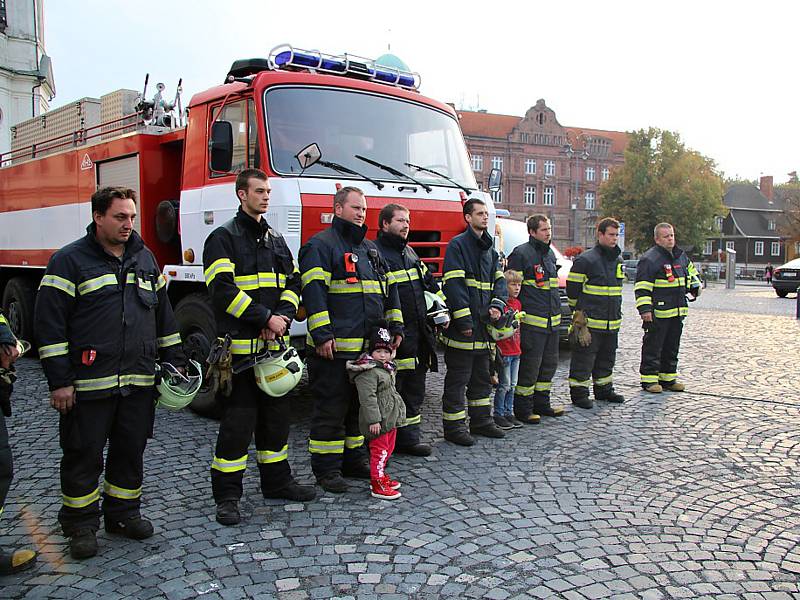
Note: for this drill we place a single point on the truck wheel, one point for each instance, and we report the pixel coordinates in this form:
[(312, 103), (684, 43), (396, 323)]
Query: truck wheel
[(782, 293), (18, 301), (198, 329)]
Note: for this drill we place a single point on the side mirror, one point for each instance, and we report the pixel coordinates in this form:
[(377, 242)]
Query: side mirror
[(495, 178), (308, 156), (220, 146)]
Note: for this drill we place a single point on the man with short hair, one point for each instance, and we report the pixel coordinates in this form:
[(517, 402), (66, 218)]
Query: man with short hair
[(346, 292), (476, 293), (417, 352), (255, 289), (539, 334), (103, 320), (594, 290), (663, 277)]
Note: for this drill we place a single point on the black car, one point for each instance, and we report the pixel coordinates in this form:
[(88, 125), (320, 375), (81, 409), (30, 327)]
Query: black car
[(786, 278)]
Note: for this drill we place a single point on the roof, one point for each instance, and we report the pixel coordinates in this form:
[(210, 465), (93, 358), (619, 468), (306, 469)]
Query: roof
[(619, 139), (754, 224), (748, 196)]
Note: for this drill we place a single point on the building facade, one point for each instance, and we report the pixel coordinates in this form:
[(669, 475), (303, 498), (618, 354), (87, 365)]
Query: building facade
[(547, 167), (751, 228), (26, 79)]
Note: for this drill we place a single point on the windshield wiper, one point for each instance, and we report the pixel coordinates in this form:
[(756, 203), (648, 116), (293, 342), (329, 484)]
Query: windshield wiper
[(432, 172), (394, 172), (348, 171)]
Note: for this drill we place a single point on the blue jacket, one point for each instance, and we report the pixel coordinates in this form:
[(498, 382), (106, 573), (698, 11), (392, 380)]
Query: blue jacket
[(539, 294), (594, 285)]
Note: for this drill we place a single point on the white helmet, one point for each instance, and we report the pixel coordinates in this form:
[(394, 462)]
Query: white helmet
[(438, 315), (176, 390), (23, 346), (278, 372), (504, 327)]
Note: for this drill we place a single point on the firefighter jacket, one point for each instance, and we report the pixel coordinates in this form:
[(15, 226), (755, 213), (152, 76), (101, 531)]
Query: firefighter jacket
[(346, 289), (102, 322), (594, 286), (413, 279), (250, 275), (539, 294), (471, 279), (662, 280), (6, 336)]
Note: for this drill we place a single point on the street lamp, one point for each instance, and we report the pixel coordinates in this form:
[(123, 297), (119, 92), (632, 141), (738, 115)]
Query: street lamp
[(576, 202)]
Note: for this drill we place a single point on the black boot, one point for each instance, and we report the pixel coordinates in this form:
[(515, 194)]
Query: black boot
[(134, 528), (489, 430), (459, 436), (418, 449), (545, 410), (83, 544), (582, 402), (611, 396), (228, 512), (293, 491), (332, 481), (356, 470)]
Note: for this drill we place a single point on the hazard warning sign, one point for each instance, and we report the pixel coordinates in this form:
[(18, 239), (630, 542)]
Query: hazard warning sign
[(86, 163)]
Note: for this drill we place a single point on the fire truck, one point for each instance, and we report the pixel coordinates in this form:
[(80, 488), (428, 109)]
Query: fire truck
[(314, 122)]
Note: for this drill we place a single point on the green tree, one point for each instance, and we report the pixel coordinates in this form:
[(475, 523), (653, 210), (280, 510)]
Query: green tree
[(663, 181)]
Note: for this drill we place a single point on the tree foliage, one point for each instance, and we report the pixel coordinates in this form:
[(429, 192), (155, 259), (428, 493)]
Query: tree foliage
[(663, 181), (790, 226)]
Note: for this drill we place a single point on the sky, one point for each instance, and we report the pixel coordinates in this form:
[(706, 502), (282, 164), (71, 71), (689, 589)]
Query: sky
[(721, 74)]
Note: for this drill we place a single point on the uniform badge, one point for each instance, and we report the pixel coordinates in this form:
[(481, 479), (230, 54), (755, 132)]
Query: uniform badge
[(88, 356)]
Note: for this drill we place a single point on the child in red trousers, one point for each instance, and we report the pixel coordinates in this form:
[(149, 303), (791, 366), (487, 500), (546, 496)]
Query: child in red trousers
[(381, 407)]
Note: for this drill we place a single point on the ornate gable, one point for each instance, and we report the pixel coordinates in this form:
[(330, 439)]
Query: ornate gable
[(539, 127)]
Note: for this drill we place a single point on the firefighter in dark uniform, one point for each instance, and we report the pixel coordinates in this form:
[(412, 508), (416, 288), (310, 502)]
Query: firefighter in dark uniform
[(255, 289), (539, 330), (594, 290), (346, 291), (417, 353), (476, 293), (19, 560), (103, 320), (663, 277)]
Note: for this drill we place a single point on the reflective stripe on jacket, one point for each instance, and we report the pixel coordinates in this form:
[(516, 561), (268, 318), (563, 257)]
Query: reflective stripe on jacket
[(103, 321), (540, 299), (594, 285), (653, 289)]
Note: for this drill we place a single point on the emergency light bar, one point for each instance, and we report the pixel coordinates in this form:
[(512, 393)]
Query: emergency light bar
[(286, 57)]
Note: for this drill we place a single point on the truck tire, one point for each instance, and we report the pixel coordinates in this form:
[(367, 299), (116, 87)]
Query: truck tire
[(198, 328), (782, 293), (18, 300)]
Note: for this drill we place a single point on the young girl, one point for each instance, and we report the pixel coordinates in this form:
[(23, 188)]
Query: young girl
[(382, 408), (510, 351)]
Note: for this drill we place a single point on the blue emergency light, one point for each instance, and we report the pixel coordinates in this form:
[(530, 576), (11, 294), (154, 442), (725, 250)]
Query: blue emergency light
[(287, 57)]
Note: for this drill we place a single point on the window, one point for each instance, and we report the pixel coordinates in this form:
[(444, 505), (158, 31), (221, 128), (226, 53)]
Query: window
[(549, 167), (497, 162), (549, 195), (759, 249), (589, 173), (775, 249), (530, 194), (604, 173), (771, 225), (497, 196), (718, 223), (707, 247), (477, 162), (234, 113), (530, 166), (730, 246), (589, 199)]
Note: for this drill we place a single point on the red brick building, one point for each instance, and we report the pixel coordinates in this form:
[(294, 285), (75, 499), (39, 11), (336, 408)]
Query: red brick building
[(547, 167)]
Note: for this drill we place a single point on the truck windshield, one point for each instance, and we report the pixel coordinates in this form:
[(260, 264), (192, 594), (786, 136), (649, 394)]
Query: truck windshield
[(346, 123)]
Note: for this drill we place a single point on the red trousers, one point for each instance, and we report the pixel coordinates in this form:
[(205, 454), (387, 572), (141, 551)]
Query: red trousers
[(380, 449)]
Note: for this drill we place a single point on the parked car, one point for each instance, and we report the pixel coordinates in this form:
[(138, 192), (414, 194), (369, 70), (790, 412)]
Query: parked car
[(515, 233), (786, 278), (629, 268)]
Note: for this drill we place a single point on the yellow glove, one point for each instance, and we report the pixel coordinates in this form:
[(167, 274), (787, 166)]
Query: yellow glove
[(580, 329)]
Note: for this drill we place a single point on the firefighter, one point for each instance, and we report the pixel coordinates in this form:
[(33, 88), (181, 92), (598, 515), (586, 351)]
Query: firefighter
[(346, 291), (594, 290), (539, 335), (663, 277), (19, 560), (417, 353), (103, 319), (255, 289), (476, 292)]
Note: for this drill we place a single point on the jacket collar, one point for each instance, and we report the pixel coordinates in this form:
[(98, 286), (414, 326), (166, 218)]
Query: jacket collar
[(132, 246), (543, 247), (674, 255), (250, 224), (484, 242), (608, 252), (391, 240), (349, 231)]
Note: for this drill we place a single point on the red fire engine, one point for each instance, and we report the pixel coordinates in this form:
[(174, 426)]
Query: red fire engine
[(371, 126)]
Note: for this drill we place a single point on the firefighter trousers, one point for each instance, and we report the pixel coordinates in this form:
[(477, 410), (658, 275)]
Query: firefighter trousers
[(125, 423), (335, 442), (410, 384), (537, 366), (467, 378), (593, 363), (6, 463), (660, 345), (249, 410)]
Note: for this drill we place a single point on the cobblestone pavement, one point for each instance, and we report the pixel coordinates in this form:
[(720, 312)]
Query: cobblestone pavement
[(688, 495)]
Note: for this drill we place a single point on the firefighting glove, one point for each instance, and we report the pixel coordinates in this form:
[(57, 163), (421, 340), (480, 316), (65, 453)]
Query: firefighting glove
[(579, 331), (220, 366)]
